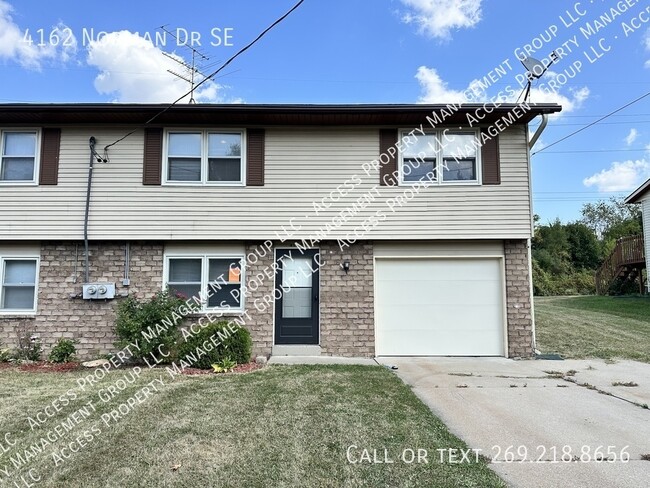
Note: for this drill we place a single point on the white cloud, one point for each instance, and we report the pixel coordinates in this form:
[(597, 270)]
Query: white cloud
[(647, 46), (15, 46), (631, 137), (621, 176), (437, 18), (132, 69), (436, 90)]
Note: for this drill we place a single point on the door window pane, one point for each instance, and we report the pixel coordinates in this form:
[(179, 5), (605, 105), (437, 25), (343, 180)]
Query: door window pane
[(297, 279), (296, 303), (296, 272)]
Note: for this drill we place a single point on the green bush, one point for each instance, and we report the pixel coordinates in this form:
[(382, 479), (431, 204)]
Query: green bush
[(63, 352), (234, 345), (575, 283), (151, 317)]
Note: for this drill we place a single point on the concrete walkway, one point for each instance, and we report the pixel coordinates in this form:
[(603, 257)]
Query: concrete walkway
[(321, 360), (494, 403)]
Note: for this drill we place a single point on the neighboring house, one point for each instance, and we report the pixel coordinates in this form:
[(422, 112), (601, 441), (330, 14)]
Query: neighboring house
[(642, 195), (209, 194)]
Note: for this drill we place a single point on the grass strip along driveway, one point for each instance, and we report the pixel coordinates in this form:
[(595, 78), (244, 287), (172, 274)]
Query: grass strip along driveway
[(597, 327), (280, 426)]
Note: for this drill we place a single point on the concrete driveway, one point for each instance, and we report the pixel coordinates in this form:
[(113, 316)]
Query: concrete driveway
[(494, 403)]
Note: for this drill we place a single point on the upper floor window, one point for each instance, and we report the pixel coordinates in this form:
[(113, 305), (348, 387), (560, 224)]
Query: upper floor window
[(18, 156), (205, 157), (18, 284), (440, 157)]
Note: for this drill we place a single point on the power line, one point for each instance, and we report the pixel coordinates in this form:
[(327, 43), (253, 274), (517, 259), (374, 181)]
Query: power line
[(597, 151), (622, 122), (214, 73), (593, 123)]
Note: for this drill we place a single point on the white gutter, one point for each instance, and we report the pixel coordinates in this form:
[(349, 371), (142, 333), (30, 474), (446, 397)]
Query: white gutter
[(539, 131)]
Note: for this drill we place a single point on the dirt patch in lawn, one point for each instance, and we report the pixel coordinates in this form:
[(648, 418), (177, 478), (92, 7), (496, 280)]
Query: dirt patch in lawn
[(42, 367)]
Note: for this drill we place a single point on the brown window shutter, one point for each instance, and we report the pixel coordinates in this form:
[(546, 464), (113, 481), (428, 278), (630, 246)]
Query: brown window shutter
[(50, 146), (255, 157), (490, 161), (152, 163), (388, 171)]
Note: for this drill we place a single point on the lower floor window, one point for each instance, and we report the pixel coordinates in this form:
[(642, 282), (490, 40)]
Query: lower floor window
[(216, 281), (18, 290)]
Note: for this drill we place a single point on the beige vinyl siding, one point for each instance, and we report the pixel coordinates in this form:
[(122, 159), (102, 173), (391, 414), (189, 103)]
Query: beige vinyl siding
[(645, 209), (302, 166)]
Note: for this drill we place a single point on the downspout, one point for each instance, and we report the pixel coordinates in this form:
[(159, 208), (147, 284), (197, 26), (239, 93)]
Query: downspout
[(539, 131), (531, 143), (93, 154)]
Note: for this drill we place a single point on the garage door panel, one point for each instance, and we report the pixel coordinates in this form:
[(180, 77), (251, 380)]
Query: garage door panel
[(473, 317), (422, 293), (444, 342), (439, 306)]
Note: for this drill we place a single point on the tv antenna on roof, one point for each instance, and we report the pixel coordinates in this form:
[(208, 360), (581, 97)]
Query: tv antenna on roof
[(535, 69), (191, 69)]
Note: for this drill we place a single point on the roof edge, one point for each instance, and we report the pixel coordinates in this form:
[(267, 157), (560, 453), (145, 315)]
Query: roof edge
[(636, 195)]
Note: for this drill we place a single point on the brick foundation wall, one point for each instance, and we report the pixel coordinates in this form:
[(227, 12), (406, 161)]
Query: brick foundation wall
[(518, 300), (347, 300), (61, 275), (260, 281)]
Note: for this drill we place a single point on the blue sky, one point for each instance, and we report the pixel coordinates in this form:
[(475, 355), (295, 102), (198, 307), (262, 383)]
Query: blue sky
[(362, 51)]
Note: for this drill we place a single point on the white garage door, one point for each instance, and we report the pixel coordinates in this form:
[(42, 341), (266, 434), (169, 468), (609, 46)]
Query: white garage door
[(439, 307)]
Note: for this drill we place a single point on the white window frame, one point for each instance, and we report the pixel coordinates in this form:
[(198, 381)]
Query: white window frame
[(204, 157), (37, 155), (14, 257), (205, 266), (439, 134)]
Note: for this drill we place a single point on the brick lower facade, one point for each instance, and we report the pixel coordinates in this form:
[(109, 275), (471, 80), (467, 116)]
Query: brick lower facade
[(518, 299), (346, 299), (61, 275)]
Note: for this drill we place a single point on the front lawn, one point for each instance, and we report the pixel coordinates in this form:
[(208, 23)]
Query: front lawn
[(601, 327), (280, 426)]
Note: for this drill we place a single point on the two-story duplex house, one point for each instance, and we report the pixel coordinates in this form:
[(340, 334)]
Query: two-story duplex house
[(352, 230)]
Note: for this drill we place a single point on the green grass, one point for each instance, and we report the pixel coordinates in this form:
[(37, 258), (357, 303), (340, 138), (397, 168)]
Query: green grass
[(283, 426), (599, 327)]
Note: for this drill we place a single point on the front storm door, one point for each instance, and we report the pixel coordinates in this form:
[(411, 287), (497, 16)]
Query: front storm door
[(296, 297)]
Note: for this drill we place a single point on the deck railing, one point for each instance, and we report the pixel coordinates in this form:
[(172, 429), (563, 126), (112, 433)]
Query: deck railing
[(627, 252)]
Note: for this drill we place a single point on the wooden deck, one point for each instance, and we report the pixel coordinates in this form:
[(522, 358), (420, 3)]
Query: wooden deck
[(626, 261)]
